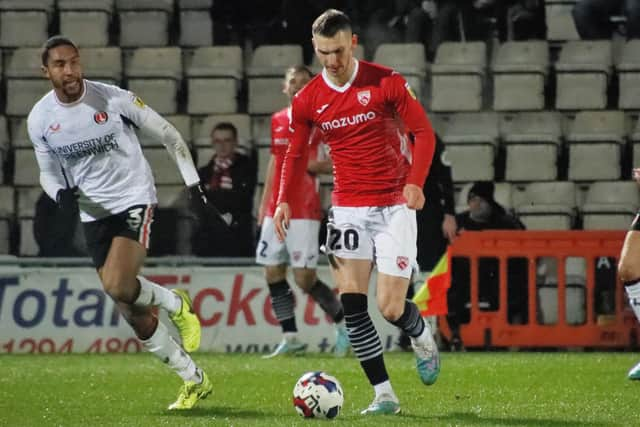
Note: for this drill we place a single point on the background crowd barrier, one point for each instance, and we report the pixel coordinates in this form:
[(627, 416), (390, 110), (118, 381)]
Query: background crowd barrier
[(566, 294)]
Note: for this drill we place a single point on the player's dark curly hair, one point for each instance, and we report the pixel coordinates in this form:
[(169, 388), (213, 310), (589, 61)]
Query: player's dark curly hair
[(330, 22), (55, 41)]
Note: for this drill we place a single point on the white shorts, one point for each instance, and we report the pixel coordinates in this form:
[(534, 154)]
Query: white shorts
[(385, 235), (300, 247)]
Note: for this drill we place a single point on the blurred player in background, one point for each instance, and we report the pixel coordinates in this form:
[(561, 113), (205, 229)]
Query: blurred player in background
[(362, 110), (88, 154), (300, 248), (629, 270)]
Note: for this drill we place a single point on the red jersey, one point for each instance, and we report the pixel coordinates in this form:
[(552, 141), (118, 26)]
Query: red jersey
[(304, 196), (363, 123)]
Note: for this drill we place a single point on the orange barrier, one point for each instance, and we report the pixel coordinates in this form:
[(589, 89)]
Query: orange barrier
[(492, 329)]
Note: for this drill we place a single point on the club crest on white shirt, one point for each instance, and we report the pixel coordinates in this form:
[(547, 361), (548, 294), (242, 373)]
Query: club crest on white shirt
[(364, 96), (101, 117)]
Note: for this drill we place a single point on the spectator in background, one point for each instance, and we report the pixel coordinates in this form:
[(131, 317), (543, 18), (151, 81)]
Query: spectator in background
[(229, 180), (593, 18), (56, 232), (484, 213)]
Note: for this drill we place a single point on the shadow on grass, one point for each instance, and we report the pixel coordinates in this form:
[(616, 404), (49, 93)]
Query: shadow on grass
[(220, 412), (464, 418)]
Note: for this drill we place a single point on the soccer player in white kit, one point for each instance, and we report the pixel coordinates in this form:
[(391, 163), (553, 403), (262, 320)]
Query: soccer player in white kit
[(88, 153), (363, 111), (300, 248)]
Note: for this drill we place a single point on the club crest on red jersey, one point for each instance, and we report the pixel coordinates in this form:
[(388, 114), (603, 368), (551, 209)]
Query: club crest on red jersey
[(364, 96), (101, 117), (402, 262)]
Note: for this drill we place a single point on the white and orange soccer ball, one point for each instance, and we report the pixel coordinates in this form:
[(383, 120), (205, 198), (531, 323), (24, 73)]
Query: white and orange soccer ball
[(318, 395)]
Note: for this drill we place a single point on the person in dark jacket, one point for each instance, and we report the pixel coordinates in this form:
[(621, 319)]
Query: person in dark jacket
[(484, 213), (229, 180)]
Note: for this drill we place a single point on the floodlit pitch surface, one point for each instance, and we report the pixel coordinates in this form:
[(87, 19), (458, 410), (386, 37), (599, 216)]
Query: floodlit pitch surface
[(474, 389)]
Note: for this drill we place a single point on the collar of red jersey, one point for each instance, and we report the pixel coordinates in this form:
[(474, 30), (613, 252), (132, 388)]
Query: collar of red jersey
[(347, 85)]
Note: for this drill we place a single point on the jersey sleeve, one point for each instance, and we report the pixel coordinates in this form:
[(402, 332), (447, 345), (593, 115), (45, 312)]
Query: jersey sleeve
[(129, 105), (300, 128), (51, 175), (400, 95)]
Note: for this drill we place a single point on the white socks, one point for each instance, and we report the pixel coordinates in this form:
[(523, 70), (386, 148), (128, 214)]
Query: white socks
[(384, 388), (153, 294), (163, 346), (633, 293)]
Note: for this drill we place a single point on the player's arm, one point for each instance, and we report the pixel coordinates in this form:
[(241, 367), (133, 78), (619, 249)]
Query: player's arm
[(267, 190), (292, 166), (52, 178), (319, 162), (410, 110)]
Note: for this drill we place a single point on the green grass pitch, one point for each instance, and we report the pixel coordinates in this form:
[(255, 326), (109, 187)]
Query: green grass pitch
[(474, 389)]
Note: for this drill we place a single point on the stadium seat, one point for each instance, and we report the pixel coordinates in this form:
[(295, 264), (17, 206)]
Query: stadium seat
[(582, 75), (457, 77), (316, 66), (24, 23), (520, 71), (171, 196), (28, 172), (28, 245), (202, 128), (5, 235), (610, 205), (214, 78), (203, 155), (501, 194), (163, 167), (154, 74), (265, 95), (196, 25), (273, 60), (406, 58), (19, 134), (472, 142), (532, 145), (264, 154), (7, 207), (634, 139), (103, 64), (25, 83), (261, 129), (87, 22), (596, 142), (5, 144), (144, 22), (181, 122), (546, 205), (27, 197), (628, 68), (560, 24)]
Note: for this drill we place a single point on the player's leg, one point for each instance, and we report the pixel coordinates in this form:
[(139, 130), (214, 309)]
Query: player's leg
[(272, 254), (302, 243), (629, 273), (394, 240), (307, 279)]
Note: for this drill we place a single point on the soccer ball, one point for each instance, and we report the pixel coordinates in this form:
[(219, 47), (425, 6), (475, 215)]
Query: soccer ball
[(318, 395)]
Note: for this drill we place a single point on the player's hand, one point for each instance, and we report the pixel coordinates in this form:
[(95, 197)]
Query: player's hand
[(449, 227), (414, 196), (67, 200), (281, 219), (200, 203)]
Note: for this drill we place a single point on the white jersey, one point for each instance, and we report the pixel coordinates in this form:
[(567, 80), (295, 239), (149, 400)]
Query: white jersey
[(94, 141)]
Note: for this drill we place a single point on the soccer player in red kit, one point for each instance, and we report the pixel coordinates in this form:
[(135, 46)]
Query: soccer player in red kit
[(300, 249), (362, 110)]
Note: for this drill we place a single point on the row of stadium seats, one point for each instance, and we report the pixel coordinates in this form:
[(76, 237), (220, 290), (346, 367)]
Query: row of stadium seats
[(91, 22), (556, 205), (536, 146), (461, 78)]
